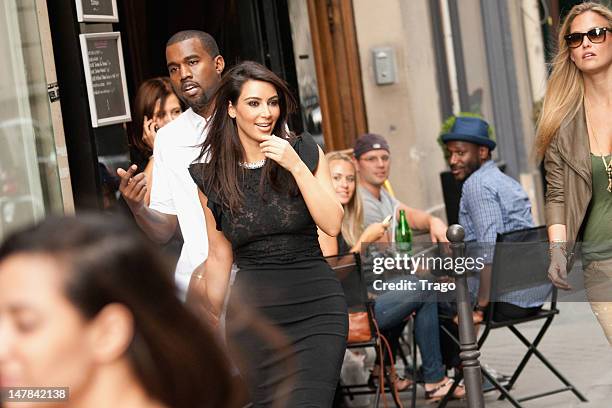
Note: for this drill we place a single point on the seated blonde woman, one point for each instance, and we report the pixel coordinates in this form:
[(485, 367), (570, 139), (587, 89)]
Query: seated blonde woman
[(394, 307)]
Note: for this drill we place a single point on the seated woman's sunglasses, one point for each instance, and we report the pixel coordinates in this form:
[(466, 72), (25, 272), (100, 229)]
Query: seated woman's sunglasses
[(596, 35)]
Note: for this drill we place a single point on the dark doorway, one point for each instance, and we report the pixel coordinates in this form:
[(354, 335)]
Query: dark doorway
[(257, 30)]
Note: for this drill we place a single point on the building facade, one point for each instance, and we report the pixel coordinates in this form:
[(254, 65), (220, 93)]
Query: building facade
[(452, 56), (393, 67)]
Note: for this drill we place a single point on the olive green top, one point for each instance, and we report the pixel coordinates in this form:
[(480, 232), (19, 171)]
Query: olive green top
[(598, 230)]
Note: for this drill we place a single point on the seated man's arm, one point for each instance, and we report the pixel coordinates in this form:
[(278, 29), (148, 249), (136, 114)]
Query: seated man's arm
[(422, 220)]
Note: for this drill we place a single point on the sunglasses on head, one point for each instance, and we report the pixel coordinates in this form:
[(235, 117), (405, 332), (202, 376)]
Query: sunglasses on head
[(596, 35)]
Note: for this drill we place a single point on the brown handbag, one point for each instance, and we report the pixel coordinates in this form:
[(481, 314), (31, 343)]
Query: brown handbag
[(359, 327)]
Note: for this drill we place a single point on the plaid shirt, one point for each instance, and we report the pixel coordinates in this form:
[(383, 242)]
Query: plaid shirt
[(492, 203)]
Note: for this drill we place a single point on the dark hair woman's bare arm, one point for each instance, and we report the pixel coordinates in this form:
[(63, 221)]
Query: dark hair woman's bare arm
[(319, 195), (218, 265), (329, 245)]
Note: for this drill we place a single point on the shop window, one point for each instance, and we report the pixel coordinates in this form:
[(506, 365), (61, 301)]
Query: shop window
[(29, 179)]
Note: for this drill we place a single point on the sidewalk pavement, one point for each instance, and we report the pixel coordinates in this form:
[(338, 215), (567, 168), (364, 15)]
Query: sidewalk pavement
[(574, 343)]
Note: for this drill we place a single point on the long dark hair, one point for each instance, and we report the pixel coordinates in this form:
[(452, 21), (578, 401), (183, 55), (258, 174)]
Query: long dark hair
[(222, 147), (174, 356)]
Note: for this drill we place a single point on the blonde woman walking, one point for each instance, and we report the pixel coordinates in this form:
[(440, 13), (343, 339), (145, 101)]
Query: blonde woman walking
[(575, 140)]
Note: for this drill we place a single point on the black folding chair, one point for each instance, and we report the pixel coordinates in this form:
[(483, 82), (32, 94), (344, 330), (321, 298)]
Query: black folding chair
[(350, 274), (520, 262)]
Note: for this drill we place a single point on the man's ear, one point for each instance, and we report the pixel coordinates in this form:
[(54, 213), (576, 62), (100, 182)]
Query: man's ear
[(110, 333), (355, 163), (231, 111), (219, 64), (483, 153)]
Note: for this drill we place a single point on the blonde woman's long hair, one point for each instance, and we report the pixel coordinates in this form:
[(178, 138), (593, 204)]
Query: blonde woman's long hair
[(352, 222), (565, 90)]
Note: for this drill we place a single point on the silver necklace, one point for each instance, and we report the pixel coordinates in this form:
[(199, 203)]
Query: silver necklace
[(254, 165)]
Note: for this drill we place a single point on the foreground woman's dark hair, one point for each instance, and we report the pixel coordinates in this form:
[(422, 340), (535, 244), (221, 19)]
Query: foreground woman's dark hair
[(175, 358)]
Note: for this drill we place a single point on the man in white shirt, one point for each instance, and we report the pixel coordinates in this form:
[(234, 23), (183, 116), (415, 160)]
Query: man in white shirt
[(195, 67)]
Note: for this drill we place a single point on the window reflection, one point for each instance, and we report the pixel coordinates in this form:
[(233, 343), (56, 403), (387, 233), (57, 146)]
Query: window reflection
[(29, 180), (305, 69)]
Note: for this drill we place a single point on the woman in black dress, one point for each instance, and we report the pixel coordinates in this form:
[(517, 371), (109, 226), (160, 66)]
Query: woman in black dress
[(264, 192)]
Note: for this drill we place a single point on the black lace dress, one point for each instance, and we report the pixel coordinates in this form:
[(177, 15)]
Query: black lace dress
[(283, 276)]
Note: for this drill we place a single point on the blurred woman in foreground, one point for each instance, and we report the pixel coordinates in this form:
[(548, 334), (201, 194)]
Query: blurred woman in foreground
[(87, 304)]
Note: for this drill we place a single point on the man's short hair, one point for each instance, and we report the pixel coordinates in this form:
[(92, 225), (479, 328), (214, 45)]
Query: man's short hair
[(207, 40)]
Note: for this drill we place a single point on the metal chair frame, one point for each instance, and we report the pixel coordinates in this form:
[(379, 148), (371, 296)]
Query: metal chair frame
[(532, 346), (350, 390)]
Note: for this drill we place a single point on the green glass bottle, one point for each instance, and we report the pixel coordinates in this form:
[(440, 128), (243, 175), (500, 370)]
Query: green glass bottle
[(403, 234)]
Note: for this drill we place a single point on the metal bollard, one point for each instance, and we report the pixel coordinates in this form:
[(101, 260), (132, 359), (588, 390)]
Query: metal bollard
[(467, 337)]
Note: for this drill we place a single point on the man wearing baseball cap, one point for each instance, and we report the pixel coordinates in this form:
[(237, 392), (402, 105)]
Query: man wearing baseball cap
[(372, 159)]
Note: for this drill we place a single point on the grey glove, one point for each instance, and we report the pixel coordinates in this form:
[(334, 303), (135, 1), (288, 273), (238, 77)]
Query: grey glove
[(557, 271)]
